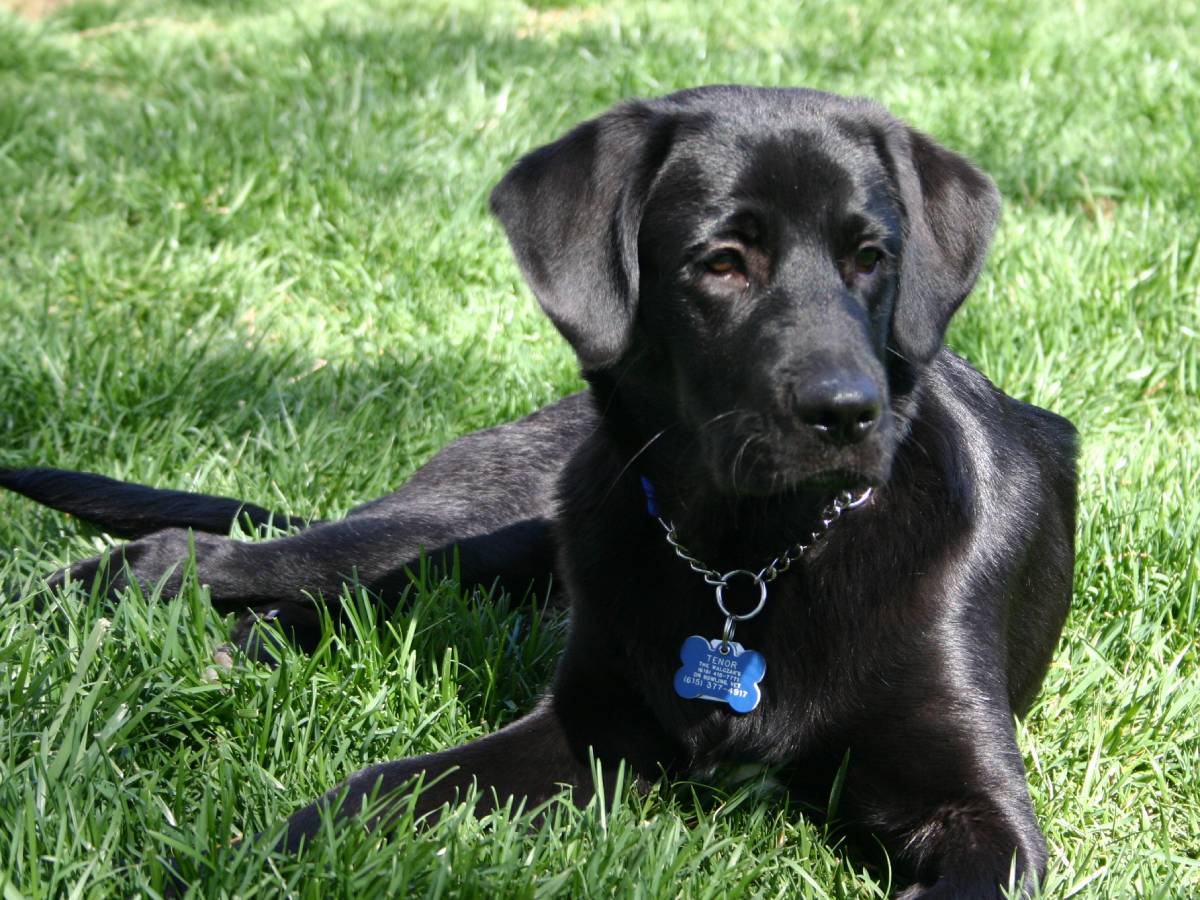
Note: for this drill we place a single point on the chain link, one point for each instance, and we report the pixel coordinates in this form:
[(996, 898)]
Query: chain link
[(844, 501)]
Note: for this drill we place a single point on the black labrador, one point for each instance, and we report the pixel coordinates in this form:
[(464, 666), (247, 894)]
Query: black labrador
[(793, 528)]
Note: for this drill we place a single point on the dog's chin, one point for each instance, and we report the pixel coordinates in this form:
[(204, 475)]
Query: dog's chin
[(769, 476), (765, 484)]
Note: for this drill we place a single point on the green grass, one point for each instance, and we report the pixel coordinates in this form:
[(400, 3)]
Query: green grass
[(244, 249)]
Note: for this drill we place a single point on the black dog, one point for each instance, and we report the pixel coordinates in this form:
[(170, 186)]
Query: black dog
[(756, 283)]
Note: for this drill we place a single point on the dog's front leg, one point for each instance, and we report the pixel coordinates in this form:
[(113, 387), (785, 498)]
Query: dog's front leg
[(954, 805), (275, 580), (481, 505), (549, 751), (979, 860)]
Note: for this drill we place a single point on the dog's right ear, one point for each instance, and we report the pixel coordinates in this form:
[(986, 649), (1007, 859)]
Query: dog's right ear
[(572, 210)]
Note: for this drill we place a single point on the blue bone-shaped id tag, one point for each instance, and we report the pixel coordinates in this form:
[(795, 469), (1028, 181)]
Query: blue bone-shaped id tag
[(709, 674)]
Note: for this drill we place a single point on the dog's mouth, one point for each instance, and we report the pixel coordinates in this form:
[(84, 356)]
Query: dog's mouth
[(761, 482), (761, 463)]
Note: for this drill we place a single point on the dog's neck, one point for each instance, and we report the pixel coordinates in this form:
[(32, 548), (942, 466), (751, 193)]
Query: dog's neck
[(731, 530)]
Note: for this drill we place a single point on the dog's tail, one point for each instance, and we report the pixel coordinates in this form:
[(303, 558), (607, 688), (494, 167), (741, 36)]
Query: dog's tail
[(133, 510)]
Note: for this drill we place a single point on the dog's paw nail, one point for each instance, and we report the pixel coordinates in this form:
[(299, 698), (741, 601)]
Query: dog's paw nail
[(223, 664)]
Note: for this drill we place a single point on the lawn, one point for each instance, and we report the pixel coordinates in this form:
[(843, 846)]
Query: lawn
[(244, 249)]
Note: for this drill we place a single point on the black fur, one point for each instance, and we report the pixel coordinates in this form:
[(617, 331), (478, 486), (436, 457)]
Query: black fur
[(757, 284)]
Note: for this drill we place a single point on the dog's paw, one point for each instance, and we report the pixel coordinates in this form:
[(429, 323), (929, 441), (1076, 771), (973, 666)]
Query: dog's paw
[(300, 623), (148, 561), (104, 574)]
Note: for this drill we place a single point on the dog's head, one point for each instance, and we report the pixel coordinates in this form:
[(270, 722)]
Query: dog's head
[(768, 271)]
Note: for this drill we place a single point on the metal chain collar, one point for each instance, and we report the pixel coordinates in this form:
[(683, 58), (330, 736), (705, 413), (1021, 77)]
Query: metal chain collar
[(844, 501)]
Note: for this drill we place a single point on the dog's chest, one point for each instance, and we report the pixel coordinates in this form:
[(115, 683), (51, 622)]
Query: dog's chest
[(657, 612), (799, 661)]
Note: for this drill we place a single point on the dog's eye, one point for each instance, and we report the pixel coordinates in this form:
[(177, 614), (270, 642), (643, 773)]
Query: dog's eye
[(725, 262), (867, 259)]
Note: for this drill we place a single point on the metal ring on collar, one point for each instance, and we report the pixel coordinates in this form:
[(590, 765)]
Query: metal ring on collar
[(762, 594), (855, 502), (727, 636)]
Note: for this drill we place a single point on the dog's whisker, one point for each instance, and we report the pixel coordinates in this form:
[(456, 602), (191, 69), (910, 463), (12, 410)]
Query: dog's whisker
[(737, 459), (737, 411), (625, 468)]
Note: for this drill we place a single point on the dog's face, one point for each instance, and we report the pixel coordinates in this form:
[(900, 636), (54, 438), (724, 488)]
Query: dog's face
[(768, 272), (772, 269)]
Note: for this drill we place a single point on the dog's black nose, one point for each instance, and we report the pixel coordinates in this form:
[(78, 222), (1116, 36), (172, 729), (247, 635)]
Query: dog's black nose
[(843, 409)]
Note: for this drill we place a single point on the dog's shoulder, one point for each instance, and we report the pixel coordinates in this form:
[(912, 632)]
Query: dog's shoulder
[(1011, 445), (953, 376)]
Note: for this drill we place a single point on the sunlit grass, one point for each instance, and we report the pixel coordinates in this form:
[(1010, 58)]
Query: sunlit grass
[(244, 248)]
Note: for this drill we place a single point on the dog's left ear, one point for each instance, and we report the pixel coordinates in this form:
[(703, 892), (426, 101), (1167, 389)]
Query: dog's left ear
[(572, 210), (952, 210)]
